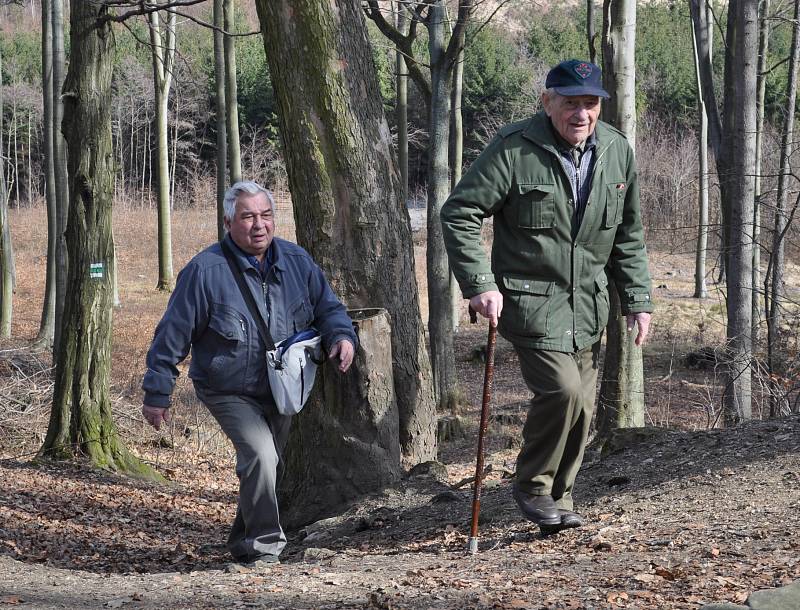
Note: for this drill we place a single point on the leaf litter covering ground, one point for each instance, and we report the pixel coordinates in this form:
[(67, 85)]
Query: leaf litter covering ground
[(676, 519)]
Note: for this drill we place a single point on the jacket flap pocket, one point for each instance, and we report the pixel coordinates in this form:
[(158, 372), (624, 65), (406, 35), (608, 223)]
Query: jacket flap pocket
[(541, 189), (227, 324), (528, 286), (601, 281)]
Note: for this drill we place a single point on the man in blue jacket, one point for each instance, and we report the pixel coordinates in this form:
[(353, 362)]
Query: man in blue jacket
[(208, 314)]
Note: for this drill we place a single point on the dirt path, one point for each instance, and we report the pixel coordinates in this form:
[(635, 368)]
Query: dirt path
[(676, 519)]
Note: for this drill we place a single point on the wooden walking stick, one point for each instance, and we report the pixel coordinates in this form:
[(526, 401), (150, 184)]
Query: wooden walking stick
[(487, 392)]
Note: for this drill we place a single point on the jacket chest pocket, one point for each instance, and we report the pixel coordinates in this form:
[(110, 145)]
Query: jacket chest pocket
[(223, 350), (536, 208), (615, 203), (228, 324)]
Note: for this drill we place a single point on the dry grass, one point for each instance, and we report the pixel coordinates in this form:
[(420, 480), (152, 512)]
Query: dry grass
[(676, 395)]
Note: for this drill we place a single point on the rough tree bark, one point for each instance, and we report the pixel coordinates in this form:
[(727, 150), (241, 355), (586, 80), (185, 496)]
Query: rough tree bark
[(222, 130), (81, 422), (348, 205), (741, 139), (621, 402), (163, 43), (354, 437)]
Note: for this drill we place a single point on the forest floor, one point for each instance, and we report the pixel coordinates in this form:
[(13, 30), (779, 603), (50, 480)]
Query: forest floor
[(679, 514)]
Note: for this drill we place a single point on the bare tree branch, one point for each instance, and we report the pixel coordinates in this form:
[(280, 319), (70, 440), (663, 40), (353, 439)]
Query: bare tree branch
[(403, 43)]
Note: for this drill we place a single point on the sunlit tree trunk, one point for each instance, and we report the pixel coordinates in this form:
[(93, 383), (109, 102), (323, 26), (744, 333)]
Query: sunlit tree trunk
[(436, 92), (777, 292), (345, 187), (700, 291), (763, 48), (60, 163), (6, 253), (621, 402), (162, 43), (81, 423), (231, 96), (401, 107), (47, 324), (590, 31), (222, 130), (741, 139), (456, 161)]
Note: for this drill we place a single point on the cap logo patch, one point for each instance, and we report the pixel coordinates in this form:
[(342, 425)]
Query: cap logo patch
[(583, 70)]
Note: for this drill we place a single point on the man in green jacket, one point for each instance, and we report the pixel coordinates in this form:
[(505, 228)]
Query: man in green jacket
[(562, 190)]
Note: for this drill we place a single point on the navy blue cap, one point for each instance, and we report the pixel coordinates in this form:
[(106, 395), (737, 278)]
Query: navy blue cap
[(576, 77)]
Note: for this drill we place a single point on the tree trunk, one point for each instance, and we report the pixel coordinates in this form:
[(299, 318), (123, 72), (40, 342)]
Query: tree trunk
[(60, 161), (222, 130), (348, 204), (162, 45), (401, 107), (590, 32), (763, 48), (440, 311), (742, 70), (231, 96), (621, 403), (6, 253), (456, 160), (81, 422), (47, 324), (700, 291), (777, 293), (354, 436)]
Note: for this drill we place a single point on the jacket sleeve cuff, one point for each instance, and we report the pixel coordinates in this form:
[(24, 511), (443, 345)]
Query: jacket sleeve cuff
[(636, 302), (478, 283), (156, 400), (346, 337)]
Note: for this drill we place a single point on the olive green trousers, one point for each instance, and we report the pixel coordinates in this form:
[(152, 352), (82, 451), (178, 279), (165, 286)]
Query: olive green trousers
[(555, 432)]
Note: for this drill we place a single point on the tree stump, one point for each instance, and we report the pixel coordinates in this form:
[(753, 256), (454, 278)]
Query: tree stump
[(345, 443)]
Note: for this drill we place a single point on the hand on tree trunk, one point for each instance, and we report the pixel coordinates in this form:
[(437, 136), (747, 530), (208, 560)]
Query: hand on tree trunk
[(642, 320)]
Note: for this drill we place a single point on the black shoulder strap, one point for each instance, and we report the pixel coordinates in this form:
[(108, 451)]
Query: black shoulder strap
[(248, 296)]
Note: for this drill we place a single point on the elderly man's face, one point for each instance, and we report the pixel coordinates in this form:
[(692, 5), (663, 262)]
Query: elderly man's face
[(253, 225), (573, 116)]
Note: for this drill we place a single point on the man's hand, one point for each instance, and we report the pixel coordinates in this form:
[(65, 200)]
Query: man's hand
[(489, 304), (345, 351), (156, 415), (642, 320)]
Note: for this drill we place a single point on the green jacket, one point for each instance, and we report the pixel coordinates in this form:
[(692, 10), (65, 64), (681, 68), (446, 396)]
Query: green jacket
[(555, 293)]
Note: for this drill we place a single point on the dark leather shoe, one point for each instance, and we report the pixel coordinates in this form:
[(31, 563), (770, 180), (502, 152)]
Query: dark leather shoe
[(539, 509), (570, 519)]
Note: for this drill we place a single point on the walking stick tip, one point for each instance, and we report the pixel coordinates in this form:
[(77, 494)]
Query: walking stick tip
[(473, 546)]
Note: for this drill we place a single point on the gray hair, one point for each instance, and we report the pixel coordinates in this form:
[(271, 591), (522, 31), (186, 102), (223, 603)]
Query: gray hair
[(244, 187)]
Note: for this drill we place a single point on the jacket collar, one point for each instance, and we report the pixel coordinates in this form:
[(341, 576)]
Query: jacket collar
[(540, 131), (275, 259)]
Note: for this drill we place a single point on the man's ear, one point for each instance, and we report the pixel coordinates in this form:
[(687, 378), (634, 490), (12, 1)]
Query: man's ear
[(546, 102)]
